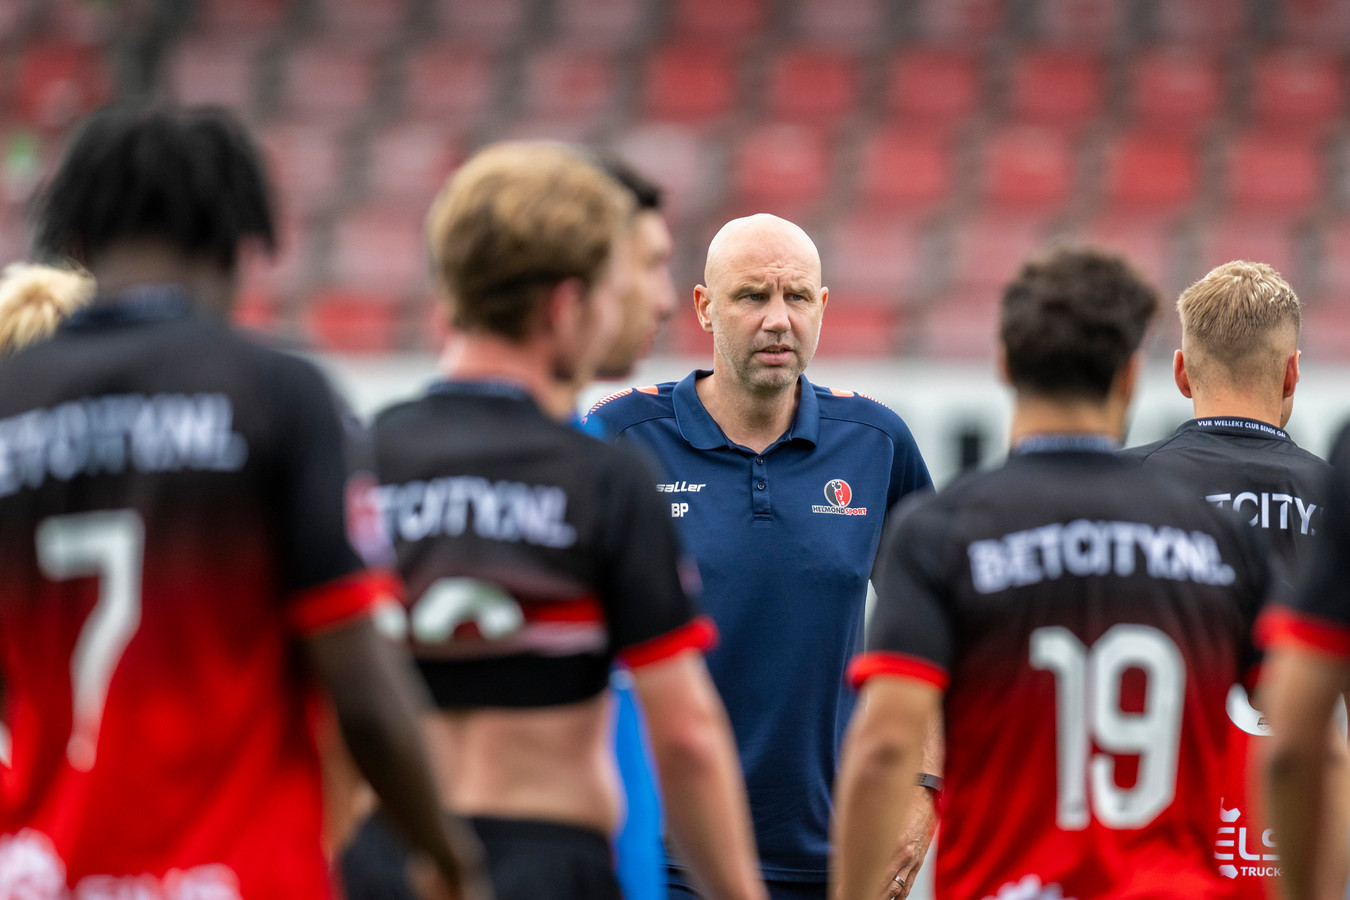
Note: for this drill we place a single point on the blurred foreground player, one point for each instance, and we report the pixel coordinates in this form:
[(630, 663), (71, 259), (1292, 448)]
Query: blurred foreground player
[(159, 678), (1084, 620), (639, 854), (536, 556), (1238, 364)]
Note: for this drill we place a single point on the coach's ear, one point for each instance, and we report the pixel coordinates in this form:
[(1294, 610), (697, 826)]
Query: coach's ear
[(1179, 374), (702, 299)]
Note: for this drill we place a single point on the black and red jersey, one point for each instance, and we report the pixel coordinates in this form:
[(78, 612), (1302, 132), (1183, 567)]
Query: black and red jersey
[(172, 519), (1256, 470), (1316, 616), (1086, 620), (534, 554)]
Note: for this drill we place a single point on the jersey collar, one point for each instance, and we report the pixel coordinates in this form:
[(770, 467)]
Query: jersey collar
[(145, 303), (1235, 425), (702, 432), (1066, 443)]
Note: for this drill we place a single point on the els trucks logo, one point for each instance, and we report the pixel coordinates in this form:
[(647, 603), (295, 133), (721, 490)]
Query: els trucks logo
[(840, 495)]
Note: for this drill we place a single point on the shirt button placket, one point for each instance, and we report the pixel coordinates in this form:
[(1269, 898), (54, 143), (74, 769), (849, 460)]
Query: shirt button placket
[(759, 484)]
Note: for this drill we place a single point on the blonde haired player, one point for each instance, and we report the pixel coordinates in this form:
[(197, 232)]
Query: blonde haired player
[(34, 299)]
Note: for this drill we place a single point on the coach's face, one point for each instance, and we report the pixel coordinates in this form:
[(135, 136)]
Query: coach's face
[(763, 302)]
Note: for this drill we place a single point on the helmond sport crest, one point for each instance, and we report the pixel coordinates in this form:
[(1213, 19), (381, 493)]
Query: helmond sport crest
[(839, 494)]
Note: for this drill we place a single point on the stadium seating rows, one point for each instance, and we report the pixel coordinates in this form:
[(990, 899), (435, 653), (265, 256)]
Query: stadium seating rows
[(929, 145)]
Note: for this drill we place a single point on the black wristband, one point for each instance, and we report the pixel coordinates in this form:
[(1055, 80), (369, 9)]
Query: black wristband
[(932, 782)]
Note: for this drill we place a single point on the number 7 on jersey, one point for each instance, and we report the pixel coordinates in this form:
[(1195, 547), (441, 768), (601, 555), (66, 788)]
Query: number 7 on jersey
[(110, 545)]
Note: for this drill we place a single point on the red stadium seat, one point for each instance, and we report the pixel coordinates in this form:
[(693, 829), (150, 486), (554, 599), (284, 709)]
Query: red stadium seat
[(1272, 174), (410, 162), (847, 23), (238, 18), (961, 21), (677, 159), (1056, 87), (1147, 241), (906, 171), (354, 322), (1255, 239), (935, 87), (781, 167), (858, 327), (330, 80), (987, 250), (1335, 269), (689, 83), (450, 81), (813, 84), (211, 70), (308, 164), (1297, 90), (56, 83), (1028, 168), (1214, 22), (962, 325), (875, 256), (1175, 89), (1079, 23), (612, 24), (569, 84), (733, 20), (1315, 21), (1148, 172), (383, 249), (363, 19), (486, 25)]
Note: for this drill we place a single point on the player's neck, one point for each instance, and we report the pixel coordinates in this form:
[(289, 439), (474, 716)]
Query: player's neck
[(135, 263), (753, 421), (1035, 415), (483, 357), (1231, 406)]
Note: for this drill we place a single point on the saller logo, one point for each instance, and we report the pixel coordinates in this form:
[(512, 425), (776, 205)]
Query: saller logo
[(840, 495)]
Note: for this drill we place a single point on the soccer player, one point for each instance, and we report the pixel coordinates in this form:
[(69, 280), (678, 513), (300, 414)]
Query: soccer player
[(639, 855), (1079, 621), (1238, 363), (178, 577), (1308, 666), (536, 556), (779, 489), (34, 299)]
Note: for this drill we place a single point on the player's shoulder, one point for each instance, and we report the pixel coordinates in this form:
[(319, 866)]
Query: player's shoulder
[(1143, 452), (635, 404)]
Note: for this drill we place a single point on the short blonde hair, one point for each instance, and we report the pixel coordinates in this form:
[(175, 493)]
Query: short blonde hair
[(1242, 317), (35, 299), (515, 220)]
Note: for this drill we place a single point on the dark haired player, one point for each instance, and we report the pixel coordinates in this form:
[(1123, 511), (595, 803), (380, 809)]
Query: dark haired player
[(1239, 365), (177, 574), (1080, 622), (536, 556)]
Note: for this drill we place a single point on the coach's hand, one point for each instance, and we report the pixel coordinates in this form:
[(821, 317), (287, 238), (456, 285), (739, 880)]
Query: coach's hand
[(912, 846)]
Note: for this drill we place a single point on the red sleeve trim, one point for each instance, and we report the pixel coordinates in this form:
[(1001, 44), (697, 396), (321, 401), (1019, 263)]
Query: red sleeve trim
[(1282, 626), (697, 634), (341, 600), (896, 665)]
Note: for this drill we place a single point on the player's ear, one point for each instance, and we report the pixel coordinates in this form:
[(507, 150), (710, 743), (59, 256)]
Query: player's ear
[(1291, 373), (564, 307), (1179, 374), (702, 299), (824, 296), (1001, 364)]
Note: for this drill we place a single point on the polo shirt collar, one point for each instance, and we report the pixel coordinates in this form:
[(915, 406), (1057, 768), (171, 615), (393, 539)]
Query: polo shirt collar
[(698, 427)]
